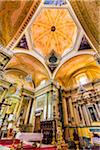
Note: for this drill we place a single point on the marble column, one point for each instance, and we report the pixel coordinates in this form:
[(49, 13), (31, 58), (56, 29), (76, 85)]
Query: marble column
[(83, 121), (76, 114), (47, 105), (32, 113), (71, 110), (86, 116), (28, 110), (65, 115), (98, 112), (51, 105)]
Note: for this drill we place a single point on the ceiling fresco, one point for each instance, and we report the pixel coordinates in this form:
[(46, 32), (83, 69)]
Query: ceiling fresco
[(52, 36), (53, 29), (19, 77), (84, 44), (29, 65), (87, 12), (23, 43), (12, 15), (74, 65)]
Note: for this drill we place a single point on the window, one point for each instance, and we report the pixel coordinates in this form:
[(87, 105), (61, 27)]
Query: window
[(81, 79), (42, 82)]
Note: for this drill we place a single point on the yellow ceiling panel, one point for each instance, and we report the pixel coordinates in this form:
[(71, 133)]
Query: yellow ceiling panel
[(53, 29), (29, 65), (75, 65)]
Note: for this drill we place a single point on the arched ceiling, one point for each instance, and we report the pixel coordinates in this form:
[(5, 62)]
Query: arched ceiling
[(19, 77), (75, 65), (13, 14), (53, 29), (29, 65), (87, 12)]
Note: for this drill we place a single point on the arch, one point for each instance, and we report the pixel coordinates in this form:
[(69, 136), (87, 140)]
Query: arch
[(70, 56), (18, 70), (35, 55), (30, 65), (76, 64)]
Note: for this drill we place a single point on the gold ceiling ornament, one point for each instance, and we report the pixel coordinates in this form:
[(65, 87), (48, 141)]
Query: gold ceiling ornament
[(52, 60), (54, 29)]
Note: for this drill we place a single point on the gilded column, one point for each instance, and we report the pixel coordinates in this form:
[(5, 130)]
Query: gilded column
[(28, 110), (20, 105), (16, 108), (3, 95), (65, 111)]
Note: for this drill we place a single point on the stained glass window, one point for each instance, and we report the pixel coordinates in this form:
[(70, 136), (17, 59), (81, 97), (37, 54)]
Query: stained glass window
[(55, 2)]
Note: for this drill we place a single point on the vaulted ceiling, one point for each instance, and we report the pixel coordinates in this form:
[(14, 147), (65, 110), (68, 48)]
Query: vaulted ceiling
[(75, 66), (88, 12), (13, 14), (27, 64), (50, 27), (53, 29)]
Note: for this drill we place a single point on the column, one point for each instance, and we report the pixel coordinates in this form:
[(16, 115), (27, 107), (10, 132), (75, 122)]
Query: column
[(19, 108), (28, 110), (76, 114), (51, 105), (83, 122), (98, 113), (86, 115), (47, 106), (71, 109), (16, 108), (65, 111), (32, 113), (3, 95)]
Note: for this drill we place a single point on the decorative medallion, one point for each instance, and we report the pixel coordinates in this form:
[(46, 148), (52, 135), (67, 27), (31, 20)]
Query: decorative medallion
[(52, 60)]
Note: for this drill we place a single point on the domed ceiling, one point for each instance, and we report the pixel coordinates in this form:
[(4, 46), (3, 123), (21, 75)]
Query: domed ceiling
[(53, 29)]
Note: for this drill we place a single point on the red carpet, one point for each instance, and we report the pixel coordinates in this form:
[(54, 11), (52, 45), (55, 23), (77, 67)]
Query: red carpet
[(8, 143)]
